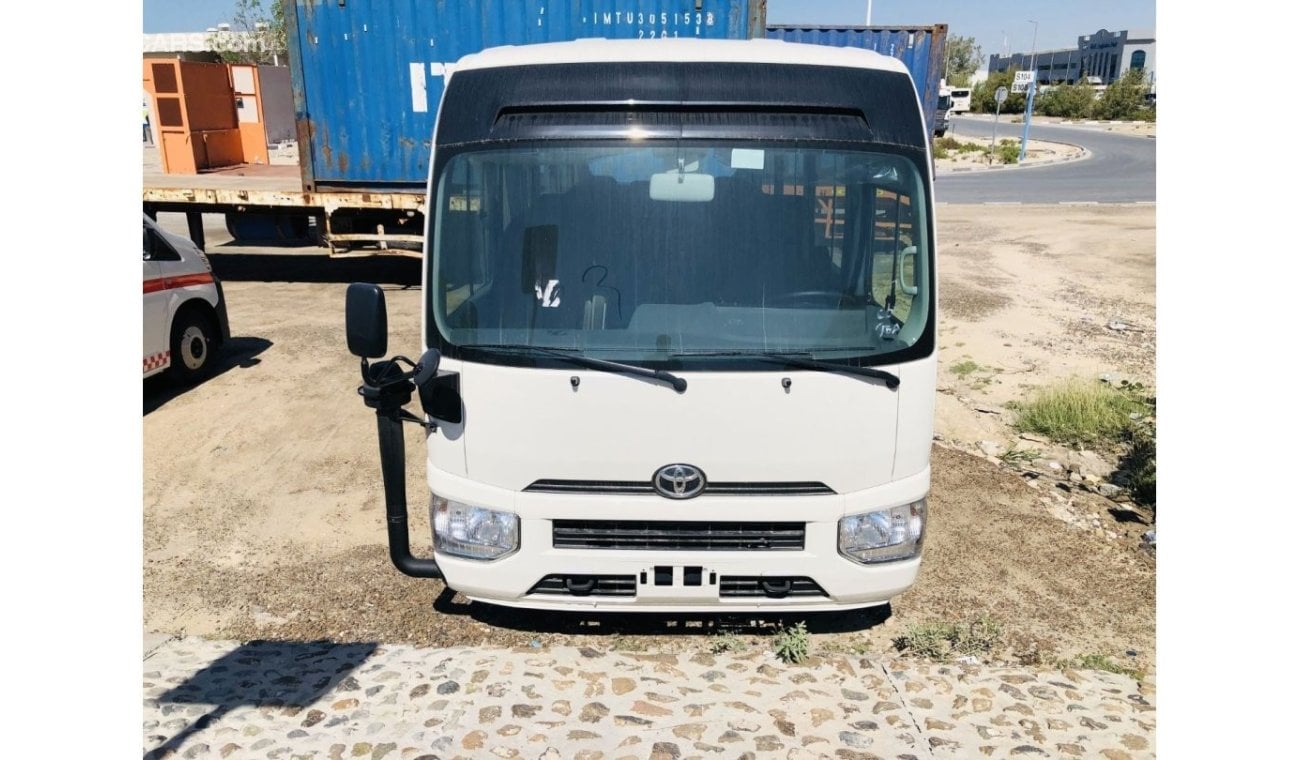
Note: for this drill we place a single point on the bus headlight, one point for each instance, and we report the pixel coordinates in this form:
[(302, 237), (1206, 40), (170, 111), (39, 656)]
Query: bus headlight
[(472, 532), (885, 535)]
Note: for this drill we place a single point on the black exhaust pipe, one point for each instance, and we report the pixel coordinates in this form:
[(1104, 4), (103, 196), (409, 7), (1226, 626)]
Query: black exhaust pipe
[(387, 399)]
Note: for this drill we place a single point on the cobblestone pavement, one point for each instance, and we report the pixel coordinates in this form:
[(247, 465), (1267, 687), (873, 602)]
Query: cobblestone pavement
[(325, 700)]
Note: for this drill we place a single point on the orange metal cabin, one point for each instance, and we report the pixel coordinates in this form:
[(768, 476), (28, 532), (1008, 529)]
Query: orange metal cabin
[(208, 115)]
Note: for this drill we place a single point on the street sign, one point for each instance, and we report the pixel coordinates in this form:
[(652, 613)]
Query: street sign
[(1000, 96), (1021, 83)]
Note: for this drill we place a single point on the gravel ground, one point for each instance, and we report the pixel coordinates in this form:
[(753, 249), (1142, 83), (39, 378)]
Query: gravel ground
[(315, 699)]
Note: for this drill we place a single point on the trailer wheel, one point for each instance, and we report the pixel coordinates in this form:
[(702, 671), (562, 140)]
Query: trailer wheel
[(193, 341)]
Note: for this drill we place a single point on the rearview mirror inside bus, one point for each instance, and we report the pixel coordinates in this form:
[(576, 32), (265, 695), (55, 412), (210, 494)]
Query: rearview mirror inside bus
[(681, 187)]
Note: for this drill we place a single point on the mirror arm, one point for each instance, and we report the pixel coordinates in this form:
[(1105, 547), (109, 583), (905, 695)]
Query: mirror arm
[(408, 417)]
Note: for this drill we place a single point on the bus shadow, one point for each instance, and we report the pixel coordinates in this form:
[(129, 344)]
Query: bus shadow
[(314, 266), (588, 623), (292, 675)]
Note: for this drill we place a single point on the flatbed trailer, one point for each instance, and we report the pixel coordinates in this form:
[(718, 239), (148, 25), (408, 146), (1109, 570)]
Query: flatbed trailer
[(268, 203)]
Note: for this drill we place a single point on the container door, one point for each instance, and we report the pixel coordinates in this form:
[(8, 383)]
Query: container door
[(248, 109)]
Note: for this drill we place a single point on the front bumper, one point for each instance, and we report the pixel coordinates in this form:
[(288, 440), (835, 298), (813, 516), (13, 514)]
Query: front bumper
[(541, 576)]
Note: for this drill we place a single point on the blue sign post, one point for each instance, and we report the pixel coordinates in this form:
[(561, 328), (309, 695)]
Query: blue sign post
[(1029, 114)]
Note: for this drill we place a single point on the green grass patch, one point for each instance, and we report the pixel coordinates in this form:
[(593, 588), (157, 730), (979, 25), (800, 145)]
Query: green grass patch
[(1100, 662), (1025, 456), (963, 368), (942, 641), (1080, 412)]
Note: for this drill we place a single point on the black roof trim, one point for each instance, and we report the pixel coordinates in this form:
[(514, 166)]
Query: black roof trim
[(476, 99)]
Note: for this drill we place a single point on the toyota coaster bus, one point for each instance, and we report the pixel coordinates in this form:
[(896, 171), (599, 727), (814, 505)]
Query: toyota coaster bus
[(679, 330)]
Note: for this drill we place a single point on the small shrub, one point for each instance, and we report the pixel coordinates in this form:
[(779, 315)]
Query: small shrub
[(1008, 152), (964, 368), (948, 143), (970, 148), (940, 641), (791, 644), (979, 636), (940, 152), (927, 640), (727, 642)]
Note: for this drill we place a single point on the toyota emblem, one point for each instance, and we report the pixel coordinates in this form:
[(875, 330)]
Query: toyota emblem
[(679, 481)]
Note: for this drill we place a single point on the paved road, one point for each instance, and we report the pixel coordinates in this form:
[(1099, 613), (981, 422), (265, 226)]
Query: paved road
[(279, 700), (1122, 169)]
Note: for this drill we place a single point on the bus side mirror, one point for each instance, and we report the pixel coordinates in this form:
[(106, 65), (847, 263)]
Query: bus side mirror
[(367, 321)]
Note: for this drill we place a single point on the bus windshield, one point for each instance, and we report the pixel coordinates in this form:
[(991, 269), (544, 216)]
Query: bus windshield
[(638, 252)]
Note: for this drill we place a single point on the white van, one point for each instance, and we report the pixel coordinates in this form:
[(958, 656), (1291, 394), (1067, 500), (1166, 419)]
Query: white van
[(185, 319), (679, 319)]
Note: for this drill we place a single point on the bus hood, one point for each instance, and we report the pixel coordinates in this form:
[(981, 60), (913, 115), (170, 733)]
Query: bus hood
[(525, 425)]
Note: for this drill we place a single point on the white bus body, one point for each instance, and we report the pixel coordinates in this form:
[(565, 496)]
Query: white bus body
[(682, 294)]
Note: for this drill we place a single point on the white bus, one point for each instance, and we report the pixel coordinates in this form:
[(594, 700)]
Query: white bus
[(679, 327), (960, 100)]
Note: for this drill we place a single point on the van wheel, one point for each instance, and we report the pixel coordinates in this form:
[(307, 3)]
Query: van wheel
[(192, 344)]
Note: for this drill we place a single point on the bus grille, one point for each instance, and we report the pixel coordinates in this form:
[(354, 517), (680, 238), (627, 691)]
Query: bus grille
[(677, 535)]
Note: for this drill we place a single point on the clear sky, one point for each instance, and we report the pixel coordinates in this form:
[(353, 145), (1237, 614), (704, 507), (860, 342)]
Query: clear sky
[(1059, 24)]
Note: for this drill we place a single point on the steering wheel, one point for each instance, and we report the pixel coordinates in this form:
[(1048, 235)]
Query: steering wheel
[(808, 298)]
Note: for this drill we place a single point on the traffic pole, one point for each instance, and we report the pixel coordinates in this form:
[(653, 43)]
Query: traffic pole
[(1029, 114), (993, 141), (999, 97)]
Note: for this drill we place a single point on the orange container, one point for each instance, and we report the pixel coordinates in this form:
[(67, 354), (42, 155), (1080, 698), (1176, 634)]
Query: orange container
[(194, 105)]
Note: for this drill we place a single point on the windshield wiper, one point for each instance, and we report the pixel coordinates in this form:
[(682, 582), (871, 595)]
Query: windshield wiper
[(678, 383), (891, 380)]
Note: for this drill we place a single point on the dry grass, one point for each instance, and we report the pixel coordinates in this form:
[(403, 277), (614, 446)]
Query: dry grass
[(1078, 412)]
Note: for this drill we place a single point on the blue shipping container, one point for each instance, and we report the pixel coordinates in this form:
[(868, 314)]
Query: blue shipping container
[(920, 48), (368, 74)]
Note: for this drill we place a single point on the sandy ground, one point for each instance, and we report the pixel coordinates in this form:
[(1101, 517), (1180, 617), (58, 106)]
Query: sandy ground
[(1030, 295), (263, 511)]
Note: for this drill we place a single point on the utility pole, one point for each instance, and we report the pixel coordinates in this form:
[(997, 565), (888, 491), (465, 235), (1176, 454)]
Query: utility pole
[(1033, 87), (868, 12)]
